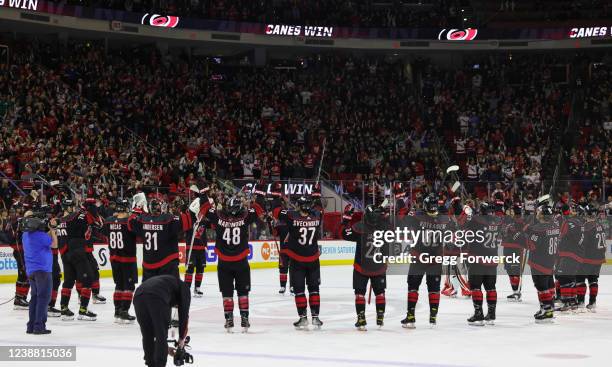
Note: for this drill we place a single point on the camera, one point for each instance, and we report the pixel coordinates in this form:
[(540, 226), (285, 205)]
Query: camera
[(181, 356), (38, 221)]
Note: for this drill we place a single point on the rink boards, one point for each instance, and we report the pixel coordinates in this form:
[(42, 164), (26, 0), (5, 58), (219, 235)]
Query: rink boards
[(263, 254)]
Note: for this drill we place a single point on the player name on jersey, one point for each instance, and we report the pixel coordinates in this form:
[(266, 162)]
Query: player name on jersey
[(152, 227)]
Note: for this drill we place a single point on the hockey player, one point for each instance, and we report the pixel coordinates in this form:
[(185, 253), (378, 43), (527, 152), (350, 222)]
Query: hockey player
[(426, 250), (542, 239), (117, 231), (74, 240), (232, 224), (594, 256), (160, 232), (95, 222), (511, 235), (571, 254), (279, 229), (365, 268), (197, 260), (10, 235), (484, 273), (303, 227)]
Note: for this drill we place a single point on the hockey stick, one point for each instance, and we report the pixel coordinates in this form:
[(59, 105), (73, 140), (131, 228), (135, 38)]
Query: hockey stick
[(523, 262), (321, 162)]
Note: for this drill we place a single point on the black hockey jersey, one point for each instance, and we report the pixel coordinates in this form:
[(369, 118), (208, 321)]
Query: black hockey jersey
[(121, 239), (77, 237), (433, 233), (542, 241), (231, 233), (160, 235), (594, 243), (487, 240), (304, 232), (367, 261), (571, 243)]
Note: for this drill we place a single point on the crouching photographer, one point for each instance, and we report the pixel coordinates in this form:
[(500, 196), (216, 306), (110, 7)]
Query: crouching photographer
[(153, 303), (38, 239)]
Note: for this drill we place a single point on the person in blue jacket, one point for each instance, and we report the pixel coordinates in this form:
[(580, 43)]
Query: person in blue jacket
[(38, 239)]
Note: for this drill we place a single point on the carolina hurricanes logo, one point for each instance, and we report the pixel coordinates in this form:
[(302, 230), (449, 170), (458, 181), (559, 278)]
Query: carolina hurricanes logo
[(458, 34), (156, 20)]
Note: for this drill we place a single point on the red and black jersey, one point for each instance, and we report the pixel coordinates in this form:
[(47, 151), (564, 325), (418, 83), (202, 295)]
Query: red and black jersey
[(433, 230), (512, 233), (487, 240), (121, 239), (571, 243), (160, 235), (232, 233), (542, 241), (77, 235), (304, 232), (594, 243), (365, 251)]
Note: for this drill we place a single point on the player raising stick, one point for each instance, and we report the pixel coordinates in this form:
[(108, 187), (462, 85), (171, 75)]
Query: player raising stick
[(365, 269), (303, 226), (231, 225)]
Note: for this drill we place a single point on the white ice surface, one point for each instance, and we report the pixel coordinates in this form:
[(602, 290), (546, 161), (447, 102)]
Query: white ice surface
[(573, 340)]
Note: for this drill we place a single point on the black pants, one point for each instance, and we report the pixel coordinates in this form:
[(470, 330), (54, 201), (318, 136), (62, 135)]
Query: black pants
[(95, 282), (77, 268), (304, 274), (513, 269), (153, 316), (22, 286), (432, 274), (482, 276), (197, 263), (171, 268), (56, 277), (234, 275), (360, 283), (125, 275)]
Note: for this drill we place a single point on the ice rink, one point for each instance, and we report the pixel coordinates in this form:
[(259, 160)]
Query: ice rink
[(515, 340)]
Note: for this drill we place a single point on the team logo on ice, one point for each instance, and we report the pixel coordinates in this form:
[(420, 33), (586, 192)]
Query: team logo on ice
[(458, 34)]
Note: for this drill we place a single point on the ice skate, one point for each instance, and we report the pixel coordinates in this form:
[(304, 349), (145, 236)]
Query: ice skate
[(317, 323), (282, 290), (229, 324), (477, 319), (53, 312), (98, 299), (409, 321), (380, 319), (67, 315), (86, 315), (301, 324), (544, 316), (490, 318), (197, 293), (361, 322), (21, 304), (515, 297), (244, 323)]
